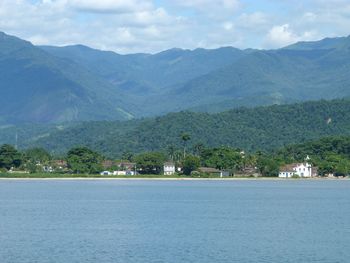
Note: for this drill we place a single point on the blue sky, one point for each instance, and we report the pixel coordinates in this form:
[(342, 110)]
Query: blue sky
[(129, 26)]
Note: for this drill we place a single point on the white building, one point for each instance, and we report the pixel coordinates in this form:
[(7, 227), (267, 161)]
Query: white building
[(296, 169), (169, 168), (119, 173), (106, 173), (123, 173)]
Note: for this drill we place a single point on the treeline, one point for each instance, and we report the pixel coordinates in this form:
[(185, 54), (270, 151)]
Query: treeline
[(80, 160), (331, 155), (263, 128)]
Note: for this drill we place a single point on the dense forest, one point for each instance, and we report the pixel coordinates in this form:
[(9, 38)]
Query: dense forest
[(263, 128)]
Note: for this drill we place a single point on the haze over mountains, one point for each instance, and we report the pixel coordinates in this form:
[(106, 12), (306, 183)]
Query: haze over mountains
[(75, 83)]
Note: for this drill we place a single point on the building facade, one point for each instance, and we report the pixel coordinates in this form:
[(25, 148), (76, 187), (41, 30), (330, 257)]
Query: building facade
[(297, 169), (169, 168)]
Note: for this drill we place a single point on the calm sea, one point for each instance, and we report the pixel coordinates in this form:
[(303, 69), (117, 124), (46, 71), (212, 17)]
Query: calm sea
[(174, 221)]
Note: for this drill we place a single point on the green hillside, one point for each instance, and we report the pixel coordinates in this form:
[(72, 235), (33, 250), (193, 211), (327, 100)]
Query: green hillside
[(38, 87), (262, 128)]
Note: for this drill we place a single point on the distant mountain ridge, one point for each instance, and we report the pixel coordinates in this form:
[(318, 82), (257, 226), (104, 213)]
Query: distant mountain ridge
[(76, 83), (38, 87)]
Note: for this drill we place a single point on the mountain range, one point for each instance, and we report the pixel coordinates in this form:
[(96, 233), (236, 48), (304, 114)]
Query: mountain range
[(46, 84)]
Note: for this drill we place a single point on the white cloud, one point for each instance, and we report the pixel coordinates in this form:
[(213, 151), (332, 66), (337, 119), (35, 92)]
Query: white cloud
[(111, 6), (211, 8), (150, 26), (283, 35)]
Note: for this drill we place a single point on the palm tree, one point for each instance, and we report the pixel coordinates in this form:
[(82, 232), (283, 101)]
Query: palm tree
[(171, 152), (185, 137)]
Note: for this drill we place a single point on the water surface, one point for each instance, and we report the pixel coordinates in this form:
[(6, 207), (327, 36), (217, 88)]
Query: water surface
[(174, 221)]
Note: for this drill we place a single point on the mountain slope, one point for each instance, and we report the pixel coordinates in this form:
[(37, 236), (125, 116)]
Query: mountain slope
[(159, 70), (38, 87), (327, 43), (277, 76), (77, 83), (145, 77), (216, 80), (262, 128)]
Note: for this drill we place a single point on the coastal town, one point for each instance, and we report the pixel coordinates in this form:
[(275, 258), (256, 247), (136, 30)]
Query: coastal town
[(221, 162)]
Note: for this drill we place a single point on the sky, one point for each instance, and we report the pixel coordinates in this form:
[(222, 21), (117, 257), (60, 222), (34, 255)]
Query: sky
[(151, 26)]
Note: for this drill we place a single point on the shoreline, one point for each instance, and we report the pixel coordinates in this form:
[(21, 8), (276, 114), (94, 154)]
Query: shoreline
[(165, 179)]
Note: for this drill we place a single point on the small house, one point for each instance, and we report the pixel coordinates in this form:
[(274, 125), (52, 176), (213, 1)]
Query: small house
[(127, 166), (169, 168)]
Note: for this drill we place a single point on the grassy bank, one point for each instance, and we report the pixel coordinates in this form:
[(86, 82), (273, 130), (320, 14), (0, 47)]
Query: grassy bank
[(53, 175), (148, 176)]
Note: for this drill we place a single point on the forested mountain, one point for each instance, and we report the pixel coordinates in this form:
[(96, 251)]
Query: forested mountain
[(276, 76), (38, 87), (215, 80), (262, 128), (150, 79), (77, 83)]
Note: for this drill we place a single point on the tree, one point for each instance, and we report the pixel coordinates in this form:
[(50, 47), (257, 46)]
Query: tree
[(190, 163), (342, 168), (223, 158), (171, 152), (84, 160), (198, 148), (150, 163), (267, 166), (185, 137), (37, 155), (9, 157), (128, 156)]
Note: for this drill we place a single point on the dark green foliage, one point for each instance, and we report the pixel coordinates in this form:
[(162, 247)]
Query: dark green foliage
[(190, 163), (36, 158), (37, 155), (222, 158), (9, 157), (185, 137), (84, 160), (263, 128), (267, 165), (150, 162)]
